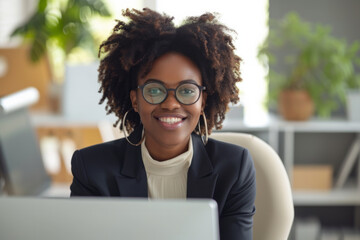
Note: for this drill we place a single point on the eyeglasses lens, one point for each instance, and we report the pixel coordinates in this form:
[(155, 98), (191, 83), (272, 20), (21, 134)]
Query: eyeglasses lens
[(154, 93), (187, 93)]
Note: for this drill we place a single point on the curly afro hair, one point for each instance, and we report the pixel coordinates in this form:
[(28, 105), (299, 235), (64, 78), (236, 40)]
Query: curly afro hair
[(132, 48)]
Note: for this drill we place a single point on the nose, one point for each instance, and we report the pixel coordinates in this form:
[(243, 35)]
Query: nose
[(170, 102)]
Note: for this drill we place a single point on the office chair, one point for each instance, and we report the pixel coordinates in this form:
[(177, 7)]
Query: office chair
[(274, 204)]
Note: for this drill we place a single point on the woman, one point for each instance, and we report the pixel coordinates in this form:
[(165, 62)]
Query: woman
[(169, 86)]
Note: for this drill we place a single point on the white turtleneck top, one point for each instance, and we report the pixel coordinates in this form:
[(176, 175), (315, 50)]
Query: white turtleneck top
[(167, 179)]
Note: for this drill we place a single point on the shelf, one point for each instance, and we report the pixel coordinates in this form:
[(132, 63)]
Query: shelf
[(238, 125), (330, 126), (51, 120), (276, 123), (336, 197)]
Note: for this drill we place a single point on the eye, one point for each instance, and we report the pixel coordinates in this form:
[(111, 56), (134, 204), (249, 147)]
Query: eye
[(154, 90), (188, 90)]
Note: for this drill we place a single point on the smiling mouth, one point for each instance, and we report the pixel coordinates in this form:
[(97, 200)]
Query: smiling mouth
[(171, 120)]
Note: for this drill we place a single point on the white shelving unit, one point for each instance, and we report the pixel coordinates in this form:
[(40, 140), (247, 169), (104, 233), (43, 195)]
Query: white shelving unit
[(341, 195), (337, 197), (344, 194)]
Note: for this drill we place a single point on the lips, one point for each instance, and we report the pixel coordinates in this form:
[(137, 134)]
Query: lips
[(170, 122)]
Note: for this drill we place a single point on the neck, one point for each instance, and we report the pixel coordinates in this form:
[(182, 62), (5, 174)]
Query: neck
[(165, 152)]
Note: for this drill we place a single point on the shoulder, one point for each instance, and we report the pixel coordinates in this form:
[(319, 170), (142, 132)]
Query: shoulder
[(106, 147), (223, 149), (101, 153), (230, 158)]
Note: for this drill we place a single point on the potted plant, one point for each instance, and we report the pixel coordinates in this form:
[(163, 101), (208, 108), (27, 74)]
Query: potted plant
[(60, 26), (59, 30), (309, 69)]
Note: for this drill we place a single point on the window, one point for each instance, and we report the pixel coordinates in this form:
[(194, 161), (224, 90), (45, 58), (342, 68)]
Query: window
[(249, 20)]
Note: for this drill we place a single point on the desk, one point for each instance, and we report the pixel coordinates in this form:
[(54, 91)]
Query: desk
[(62, 132)]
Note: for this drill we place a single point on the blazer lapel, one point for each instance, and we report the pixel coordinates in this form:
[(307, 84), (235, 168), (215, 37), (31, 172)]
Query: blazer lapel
[(132, 181), (201, 180)]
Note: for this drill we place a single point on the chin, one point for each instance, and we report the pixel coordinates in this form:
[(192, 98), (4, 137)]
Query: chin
[(174, 140)]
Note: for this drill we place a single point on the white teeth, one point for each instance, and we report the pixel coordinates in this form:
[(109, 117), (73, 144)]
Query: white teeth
[(170, 120)]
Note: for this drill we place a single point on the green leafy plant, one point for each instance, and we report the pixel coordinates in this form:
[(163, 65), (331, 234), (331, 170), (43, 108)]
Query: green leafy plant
[(301, 55), (63, 24)]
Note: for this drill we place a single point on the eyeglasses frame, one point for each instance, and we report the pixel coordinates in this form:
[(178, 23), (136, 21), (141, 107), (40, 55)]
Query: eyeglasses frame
[(201, 89)]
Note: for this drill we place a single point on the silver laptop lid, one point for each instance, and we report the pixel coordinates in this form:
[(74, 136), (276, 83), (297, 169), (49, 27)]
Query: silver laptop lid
[(107, 218)]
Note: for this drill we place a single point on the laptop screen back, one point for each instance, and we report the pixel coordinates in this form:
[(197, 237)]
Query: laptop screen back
[(21, 163), (108, 218)]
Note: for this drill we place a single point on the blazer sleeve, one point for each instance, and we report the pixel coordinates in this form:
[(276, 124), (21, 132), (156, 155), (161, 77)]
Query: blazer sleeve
[(80, 185), (236, 221)]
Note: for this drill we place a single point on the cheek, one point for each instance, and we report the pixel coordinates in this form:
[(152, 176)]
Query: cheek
[(196, 110), (200, 104), (144, 109)]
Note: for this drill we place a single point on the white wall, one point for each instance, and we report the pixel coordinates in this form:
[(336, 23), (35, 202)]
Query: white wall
[(12, 13)]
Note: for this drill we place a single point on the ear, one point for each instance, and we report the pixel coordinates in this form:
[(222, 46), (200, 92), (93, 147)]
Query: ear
[(133, 99)]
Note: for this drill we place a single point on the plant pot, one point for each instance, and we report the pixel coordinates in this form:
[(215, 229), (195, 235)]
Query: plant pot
[(295, 105), (353, 105)]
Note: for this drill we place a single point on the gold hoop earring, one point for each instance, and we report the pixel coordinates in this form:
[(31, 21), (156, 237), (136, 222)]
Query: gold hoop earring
[(126, 133), (206, 136)]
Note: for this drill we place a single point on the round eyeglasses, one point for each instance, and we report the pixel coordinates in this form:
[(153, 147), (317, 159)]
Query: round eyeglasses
[(186, 93)]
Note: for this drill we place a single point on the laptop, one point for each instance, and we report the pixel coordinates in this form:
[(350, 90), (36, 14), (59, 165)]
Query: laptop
[(108, 218)]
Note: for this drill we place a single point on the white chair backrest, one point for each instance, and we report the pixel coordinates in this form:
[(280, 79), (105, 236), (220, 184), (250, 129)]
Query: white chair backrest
[(274, 204), (108, 132)]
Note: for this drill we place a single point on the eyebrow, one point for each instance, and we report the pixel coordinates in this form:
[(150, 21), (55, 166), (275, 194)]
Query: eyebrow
[(159, 81)]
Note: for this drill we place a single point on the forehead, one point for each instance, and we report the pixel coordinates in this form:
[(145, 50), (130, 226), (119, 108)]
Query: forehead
[(172, 69)]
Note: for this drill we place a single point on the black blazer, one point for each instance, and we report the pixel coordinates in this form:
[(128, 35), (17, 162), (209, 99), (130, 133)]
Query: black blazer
[(219, 170)]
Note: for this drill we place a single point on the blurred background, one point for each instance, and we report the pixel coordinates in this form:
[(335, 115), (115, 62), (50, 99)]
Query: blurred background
[(300, 93)]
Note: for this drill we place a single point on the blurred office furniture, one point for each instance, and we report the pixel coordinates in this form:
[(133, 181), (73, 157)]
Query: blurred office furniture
[(328, 142), (274, 205), (77, 124), (306, 229), (81, 94), (21, 162), (317, 142), (60, 137), (17, 72), (108, 132), (20, 158)]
